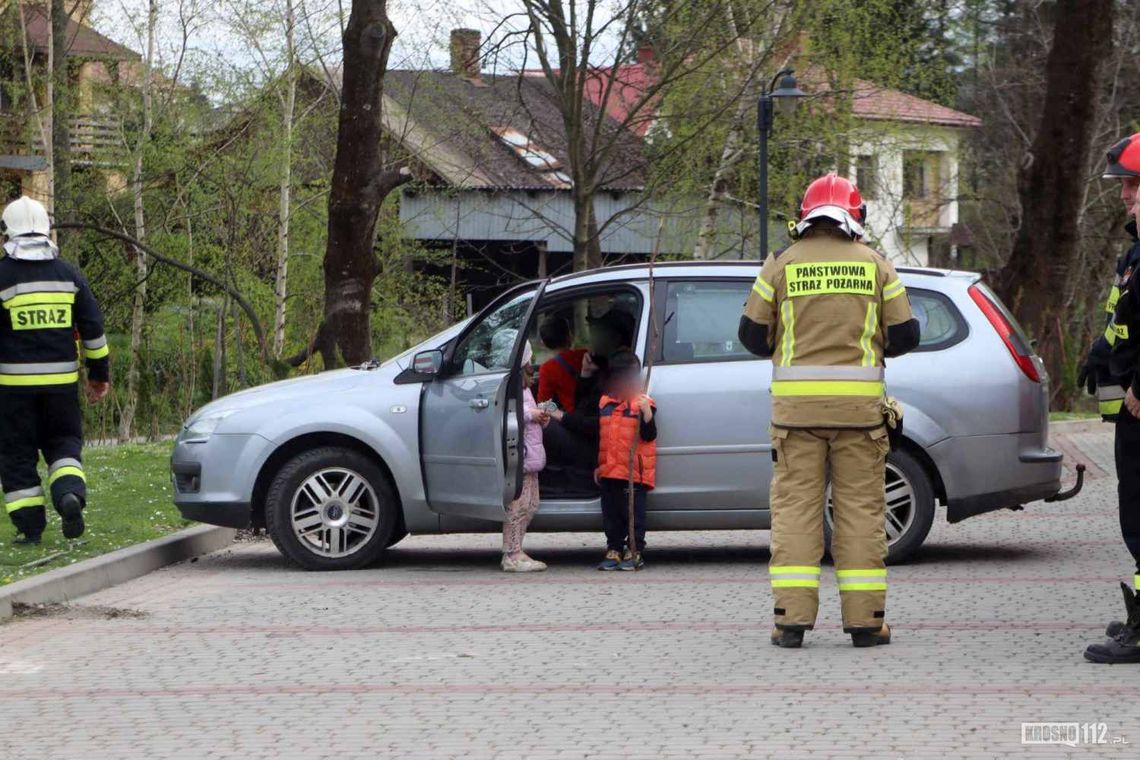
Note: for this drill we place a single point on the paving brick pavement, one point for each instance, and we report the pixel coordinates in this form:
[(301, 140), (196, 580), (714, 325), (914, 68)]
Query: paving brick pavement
[(437, 654)]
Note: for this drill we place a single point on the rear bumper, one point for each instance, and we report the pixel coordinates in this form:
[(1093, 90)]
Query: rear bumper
[(990, 472)]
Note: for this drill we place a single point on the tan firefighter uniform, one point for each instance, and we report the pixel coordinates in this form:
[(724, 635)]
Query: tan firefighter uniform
[(828, 302)]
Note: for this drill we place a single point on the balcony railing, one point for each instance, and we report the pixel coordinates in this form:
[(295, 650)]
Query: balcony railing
[(95, 141)]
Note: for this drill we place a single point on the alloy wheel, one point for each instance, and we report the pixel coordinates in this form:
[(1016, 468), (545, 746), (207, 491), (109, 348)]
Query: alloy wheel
[(334, 512)]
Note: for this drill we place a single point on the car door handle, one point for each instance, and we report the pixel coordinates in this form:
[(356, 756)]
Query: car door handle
[(479, 403)]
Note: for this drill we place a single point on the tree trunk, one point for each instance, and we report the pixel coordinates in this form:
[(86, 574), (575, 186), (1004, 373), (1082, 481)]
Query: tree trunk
[(61, 111), (1052, 176), (46, 122), (587, 246), (730, 157), (286, 187), (733, 151), (360, 183), (138, 314)]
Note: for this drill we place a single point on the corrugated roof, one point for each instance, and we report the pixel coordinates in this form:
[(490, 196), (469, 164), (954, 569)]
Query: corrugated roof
[(450, 123), (82, 40)]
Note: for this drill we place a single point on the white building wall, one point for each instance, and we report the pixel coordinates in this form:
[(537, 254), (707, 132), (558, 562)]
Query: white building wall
[(887, 225)]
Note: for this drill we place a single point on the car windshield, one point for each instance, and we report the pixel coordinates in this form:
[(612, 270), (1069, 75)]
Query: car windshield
[(404, 359)]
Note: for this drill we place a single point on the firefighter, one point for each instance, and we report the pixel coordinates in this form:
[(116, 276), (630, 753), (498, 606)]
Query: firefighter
[(1112, 365), (828, 310), (46, 303)]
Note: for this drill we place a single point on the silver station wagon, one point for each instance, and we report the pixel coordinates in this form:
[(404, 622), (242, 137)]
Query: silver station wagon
[(341, 465)]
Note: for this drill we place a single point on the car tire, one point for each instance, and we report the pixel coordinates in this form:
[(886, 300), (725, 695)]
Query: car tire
[(320, 530), (904, 471)]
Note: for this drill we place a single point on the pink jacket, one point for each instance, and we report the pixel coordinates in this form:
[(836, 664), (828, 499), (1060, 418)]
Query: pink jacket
[(534, 453)]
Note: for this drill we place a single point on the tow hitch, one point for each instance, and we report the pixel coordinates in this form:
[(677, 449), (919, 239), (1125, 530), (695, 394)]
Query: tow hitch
[(1076, 489)]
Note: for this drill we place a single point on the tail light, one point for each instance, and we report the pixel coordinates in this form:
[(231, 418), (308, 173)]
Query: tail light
[(1007, 330)]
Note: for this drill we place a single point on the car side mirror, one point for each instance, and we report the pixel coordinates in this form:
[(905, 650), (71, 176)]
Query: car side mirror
[(428, 363)]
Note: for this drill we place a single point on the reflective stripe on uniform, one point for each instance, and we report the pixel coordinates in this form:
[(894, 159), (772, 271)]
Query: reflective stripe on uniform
[(96, 348), (37, 368), (794, 576), (62, 378), (893, 290), (1113, 297), (26, 497), (788, 315), (826, 388), (832, 372), (870, 325), (39, 298), (1110, 408), (39, 373), (64, 286), (763, 289), (862, 580), (61, 468), (1136, 582)]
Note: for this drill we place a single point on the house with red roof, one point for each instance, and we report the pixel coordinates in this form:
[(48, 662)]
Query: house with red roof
[(905, 154), (96, 63), (905, 160)]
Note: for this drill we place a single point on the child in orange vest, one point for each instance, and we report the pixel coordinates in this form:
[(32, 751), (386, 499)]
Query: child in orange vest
[(627, 419)]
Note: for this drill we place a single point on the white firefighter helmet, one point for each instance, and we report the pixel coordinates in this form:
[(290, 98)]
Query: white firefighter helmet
[(25, 216)]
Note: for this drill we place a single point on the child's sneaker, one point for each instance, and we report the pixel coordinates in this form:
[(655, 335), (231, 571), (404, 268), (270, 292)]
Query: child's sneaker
[(611, 561), (631, 561)]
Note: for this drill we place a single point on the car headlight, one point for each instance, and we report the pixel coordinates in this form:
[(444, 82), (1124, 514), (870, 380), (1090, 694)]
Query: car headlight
[(199, 429)]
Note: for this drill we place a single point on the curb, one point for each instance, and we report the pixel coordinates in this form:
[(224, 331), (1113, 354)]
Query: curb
[(98, 573)]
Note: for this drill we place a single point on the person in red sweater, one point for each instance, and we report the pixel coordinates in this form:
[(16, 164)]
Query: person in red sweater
[(558, 376)]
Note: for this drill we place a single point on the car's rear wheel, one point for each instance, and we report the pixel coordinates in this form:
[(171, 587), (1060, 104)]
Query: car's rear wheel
[(331, 508), (910, 506)]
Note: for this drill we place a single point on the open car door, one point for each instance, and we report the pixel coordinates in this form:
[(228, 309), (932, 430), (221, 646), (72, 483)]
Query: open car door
[(471, 412)]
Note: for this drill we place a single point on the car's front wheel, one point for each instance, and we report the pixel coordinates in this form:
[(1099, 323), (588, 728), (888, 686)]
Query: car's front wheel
[(331, 508), (910, 506)]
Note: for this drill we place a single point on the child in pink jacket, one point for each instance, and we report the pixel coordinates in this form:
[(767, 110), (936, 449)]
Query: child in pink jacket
[(521, 511)]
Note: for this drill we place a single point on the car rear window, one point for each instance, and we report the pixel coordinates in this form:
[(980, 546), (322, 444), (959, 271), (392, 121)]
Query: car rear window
[(702, 318), (701, 321), (939, 320)]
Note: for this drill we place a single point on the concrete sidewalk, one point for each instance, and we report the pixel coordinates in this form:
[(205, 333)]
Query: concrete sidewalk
[(437, 654)]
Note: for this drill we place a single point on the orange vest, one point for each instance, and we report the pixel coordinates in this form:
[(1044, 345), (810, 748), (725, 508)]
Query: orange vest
[(619, 426)]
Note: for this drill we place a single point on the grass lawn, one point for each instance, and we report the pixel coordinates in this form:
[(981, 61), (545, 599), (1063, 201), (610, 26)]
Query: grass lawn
[(1069, 416), (128, 502)]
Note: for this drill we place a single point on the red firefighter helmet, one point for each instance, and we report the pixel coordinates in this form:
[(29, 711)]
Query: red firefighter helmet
[(1123, 159), (835, 198)]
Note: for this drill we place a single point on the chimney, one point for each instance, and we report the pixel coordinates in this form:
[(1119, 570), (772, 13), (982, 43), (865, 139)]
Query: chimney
[(465, 45), (645, 54)]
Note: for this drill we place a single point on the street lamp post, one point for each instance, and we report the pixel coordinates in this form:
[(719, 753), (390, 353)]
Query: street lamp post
[(787, 94)]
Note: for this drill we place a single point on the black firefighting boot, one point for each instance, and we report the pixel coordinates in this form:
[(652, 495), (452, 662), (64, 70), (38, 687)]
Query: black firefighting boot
[(872, 638), (27, 539), (1116, 626), (1124, 646), (70, 509), (29, 523), (788, 638)]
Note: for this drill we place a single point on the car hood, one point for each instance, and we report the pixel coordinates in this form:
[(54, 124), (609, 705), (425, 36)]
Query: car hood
[(294, 389)]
